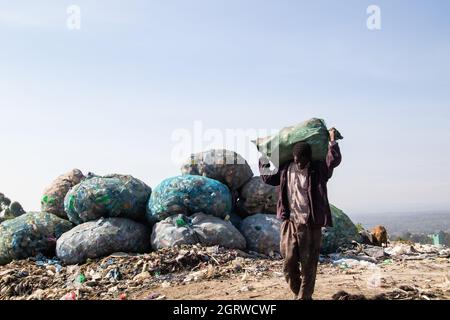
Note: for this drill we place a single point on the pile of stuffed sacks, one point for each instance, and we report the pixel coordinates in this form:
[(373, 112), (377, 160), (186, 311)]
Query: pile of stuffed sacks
[(215, 201)]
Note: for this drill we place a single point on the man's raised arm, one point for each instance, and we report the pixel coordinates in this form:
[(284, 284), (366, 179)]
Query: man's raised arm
[(334, 156), (268, 176)]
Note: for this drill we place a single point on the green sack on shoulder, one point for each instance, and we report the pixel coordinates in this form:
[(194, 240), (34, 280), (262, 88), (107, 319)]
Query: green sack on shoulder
[(278, 147)]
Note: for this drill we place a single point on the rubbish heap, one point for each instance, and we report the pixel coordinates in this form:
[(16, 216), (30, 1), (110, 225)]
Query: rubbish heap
[(127, 276), (120, 275), (215, 201), (363, 255)]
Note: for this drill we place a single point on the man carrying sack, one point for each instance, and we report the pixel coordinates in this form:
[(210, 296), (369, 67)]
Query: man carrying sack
[(303, 206)]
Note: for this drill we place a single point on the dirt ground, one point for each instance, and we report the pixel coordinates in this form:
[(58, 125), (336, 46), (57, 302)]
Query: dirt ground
[(430, 277)]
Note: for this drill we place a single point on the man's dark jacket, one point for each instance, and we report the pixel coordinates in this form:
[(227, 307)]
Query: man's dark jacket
[(319, 174)]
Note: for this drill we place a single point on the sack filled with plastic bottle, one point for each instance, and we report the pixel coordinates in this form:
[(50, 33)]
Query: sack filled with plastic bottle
[(95, 239), (256, 196), (278, 147), (262, 232), (222, 165), (199, 228), (188, 194), (342, 233), (31, 234), (52, 200), (107, 196)]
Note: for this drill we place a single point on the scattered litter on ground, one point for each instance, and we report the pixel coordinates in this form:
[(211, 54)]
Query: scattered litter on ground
[(122, 276), (115, 276)]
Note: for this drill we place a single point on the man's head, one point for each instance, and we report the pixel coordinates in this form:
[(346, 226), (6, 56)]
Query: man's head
[(302, 154)]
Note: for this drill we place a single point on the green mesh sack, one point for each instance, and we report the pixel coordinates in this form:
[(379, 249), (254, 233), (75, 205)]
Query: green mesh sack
[(107, 196), (278, 147), (30, 234), (188, 194), (341, 234)]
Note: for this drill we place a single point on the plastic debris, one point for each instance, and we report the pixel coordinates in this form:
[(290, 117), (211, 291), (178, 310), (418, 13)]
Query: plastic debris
[(123, 296), (81, 278), (148, 273), (352, 263), (153, 296), (114, 274), (69, 296)]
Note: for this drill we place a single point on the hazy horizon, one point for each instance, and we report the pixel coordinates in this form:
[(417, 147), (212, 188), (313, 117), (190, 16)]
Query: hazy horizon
[(108, 98)]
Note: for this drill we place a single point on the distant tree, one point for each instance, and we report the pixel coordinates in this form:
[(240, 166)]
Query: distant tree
[(6, 202), (16, 209), (8, 209)]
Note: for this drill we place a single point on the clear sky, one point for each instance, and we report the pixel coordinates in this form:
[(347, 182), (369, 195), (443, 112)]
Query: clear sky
[(107, 98)]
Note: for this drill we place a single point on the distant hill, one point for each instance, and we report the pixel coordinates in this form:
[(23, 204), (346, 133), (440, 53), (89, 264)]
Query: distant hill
[(414, 222)]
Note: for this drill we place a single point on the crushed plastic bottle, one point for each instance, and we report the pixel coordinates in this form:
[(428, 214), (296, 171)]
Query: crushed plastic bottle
[(180, 222), (81, 278)]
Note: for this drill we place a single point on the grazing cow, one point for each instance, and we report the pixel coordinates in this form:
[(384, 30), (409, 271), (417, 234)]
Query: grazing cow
[(379, 235)]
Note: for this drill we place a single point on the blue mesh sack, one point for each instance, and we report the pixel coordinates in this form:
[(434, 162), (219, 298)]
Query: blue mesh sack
[(30, 234), (107, 196), (188, 194)]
